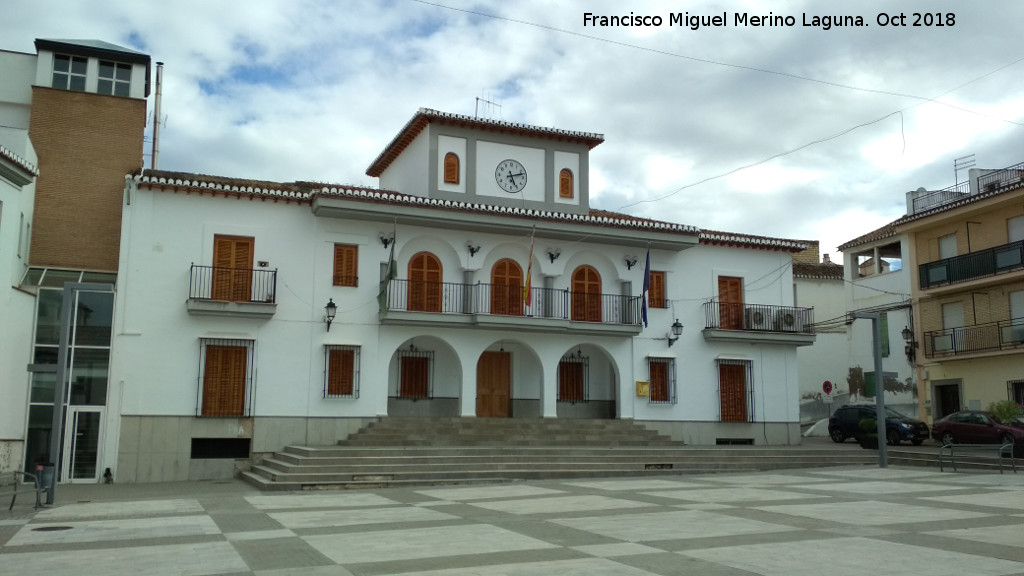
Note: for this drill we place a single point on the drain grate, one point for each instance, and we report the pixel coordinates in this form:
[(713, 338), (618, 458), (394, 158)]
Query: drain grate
[(52, 528)]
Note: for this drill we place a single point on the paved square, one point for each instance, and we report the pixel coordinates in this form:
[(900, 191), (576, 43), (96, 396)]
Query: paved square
[(681, 524), (853, 557), (559, 504), (325, 518), (422, 543), (871, 513)]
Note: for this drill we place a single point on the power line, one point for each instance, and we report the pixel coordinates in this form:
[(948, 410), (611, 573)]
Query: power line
[(730, 64)]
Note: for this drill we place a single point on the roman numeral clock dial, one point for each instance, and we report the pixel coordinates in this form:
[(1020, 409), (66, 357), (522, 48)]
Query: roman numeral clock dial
[(511, 176)]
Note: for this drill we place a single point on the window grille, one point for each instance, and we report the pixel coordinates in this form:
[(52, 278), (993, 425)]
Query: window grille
[(1015, 391), (662, 380), (574, 378), (341, 371), (736, 390), (415, 373), (227, 377)]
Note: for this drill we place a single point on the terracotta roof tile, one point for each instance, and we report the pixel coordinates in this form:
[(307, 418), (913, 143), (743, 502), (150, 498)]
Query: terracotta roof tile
[(19, 161)]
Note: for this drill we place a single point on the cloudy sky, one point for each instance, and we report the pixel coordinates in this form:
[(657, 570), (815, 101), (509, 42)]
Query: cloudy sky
[(788, 131)]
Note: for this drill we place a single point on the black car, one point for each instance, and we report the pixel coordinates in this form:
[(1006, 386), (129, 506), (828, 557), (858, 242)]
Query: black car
[(845, 423)]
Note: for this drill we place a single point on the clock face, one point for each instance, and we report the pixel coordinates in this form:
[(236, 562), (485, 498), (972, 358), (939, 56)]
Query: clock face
[(511, 176)]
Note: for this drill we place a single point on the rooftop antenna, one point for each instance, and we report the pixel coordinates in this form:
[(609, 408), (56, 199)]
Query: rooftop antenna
[(962, 163), (487, 103)]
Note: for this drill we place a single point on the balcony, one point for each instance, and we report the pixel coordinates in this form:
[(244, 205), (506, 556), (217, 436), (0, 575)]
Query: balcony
[(996, 181), (758, 323), (236, 292), (502, 307), (980, 264), (991, 337)]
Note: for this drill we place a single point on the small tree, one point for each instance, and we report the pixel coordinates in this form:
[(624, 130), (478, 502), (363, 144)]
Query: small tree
[(1005, 411)]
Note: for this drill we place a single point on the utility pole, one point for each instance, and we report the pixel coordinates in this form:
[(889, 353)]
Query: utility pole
[(876, 332)]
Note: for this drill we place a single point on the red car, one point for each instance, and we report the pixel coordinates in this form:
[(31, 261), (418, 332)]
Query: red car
[(976, 427)]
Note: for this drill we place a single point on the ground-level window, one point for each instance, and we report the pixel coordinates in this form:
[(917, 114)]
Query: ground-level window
[(1015, 388), (661, 375), (735, 391), (574, 378), (341, 378), (225, 377), (415, 373)]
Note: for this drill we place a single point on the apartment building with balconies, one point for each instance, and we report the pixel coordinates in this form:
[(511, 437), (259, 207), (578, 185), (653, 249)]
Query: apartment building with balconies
[(967, 282)]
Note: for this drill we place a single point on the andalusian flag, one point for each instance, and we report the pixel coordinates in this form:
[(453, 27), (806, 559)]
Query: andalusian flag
[(527, 292), (647, 288), (389, 275)]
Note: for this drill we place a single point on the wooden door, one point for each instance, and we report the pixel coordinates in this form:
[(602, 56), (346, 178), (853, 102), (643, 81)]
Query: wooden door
[(732, 382), (494, 385), (232, 268), (507, 288), (586, 295), (730, 303), (424, 283)]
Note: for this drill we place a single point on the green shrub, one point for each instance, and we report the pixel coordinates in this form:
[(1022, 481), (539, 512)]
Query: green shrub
[(868, 425), (1005, 411)]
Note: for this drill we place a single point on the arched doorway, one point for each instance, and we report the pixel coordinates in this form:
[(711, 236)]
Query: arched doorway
[(424, 283), (586, 294), (507, 288)]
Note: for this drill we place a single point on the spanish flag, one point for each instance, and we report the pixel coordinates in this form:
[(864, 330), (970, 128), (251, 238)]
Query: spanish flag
[(527, 292)]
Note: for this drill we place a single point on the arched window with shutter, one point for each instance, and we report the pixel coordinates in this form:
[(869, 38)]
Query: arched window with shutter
[(451, 168), (507, 288), (424, 283), (586, 294), (565, 183)]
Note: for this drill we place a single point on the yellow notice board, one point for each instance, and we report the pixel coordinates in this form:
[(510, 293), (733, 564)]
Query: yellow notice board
[(643, 388)]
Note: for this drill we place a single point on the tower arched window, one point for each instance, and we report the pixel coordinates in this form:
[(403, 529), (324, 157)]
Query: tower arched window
[(451, 168), (565, 183)]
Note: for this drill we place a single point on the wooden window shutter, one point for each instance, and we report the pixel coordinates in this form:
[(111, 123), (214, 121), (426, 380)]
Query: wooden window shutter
[(224, 378), (451, 168), (730, 302), (570, 381), (424, 283), (656, 297), (658, 375), (565, 183), (340, 371), (232, 268), (732, 383), (586, 295), (415, 377), (346, 265), (507, 288)]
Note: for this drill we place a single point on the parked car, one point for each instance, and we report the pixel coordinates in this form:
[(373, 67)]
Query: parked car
[(845, 423), (976, 427)]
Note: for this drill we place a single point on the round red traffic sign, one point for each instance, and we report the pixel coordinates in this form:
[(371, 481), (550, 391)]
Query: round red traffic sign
[(826, 387)]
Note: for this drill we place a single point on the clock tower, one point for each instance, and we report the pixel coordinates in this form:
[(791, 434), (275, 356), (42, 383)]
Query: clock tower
[(482, 161)]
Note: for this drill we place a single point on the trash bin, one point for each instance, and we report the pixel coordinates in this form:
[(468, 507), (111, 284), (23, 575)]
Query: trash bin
[(47, 477)]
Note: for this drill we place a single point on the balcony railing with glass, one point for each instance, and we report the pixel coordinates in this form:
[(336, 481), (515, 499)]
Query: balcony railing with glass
[(988, 262), (990, 337), (232, 284), (507, 300), (758, 317)]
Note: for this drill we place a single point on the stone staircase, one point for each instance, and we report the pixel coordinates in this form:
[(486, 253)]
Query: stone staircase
[(430, 451)]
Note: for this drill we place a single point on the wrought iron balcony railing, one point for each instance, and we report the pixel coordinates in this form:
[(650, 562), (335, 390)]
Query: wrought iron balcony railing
[(758, 317), (232, 284), (1003, 335), (1005, 179), (980, 264), (507, 300)]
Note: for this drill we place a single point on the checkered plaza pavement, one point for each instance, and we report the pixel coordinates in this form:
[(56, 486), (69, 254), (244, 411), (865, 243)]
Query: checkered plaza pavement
[(834, 521)]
